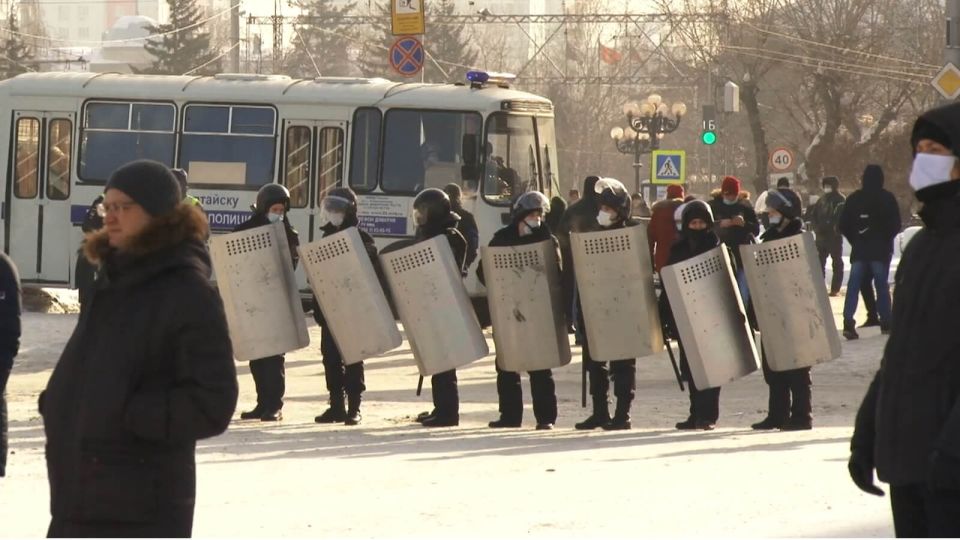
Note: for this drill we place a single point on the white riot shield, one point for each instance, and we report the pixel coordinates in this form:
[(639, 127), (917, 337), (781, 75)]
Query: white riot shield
[(526, 306), (259, 290), (433, 305), (790, 300), (615, 282), (346, 286), (711, 318)]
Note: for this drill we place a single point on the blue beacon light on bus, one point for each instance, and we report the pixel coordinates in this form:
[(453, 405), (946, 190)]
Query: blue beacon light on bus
[(477, 78)]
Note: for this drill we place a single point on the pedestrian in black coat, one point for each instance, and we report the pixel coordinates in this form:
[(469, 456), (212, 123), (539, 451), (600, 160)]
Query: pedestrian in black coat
[(736, 225), (435, 217), (824, 217), (467, 226), (339, 214), (696, 238), (789, 406), (870, 221), (908, 426), (148, 371), (269, 377), (527, 226), (10, 307)]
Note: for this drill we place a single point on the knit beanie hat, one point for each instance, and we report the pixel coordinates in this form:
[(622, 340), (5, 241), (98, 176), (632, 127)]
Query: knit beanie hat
[(730, 185), (150, 184), (674, 191)]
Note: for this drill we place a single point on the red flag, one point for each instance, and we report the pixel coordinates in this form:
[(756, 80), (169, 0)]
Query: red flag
[(608, 55)]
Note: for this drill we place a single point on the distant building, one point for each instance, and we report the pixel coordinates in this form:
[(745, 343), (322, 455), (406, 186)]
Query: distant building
[(122, 47)]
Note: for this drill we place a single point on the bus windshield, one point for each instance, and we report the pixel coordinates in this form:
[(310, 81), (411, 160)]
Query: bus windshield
[(511, 165)]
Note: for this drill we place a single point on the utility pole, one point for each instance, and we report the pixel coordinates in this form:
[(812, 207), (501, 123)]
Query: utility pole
[(951, 51), (235, 37)]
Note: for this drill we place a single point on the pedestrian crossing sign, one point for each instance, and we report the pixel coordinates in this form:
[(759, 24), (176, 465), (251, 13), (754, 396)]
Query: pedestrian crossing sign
[(669, 167)]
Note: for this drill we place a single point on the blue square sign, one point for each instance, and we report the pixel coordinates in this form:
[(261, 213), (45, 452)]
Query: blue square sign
[(669, 167)]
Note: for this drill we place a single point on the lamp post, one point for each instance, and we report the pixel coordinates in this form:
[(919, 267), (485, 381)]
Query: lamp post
[(647, 123)]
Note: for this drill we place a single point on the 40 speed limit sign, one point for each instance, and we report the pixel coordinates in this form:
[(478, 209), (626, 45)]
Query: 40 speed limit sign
[(781, 159)]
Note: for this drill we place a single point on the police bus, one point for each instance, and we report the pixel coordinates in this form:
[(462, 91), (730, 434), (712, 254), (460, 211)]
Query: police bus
[(62, 134)]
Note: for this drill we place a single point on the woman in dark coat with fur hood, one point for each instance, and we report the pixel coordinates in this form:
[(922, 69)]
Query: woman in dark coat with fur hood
[(147, 372)]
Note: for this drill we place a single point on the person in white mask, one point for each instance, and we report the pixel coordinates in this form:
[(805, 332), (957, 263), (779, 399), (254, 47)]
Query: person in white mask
[(338, 213), (527, 226), (908, 426)]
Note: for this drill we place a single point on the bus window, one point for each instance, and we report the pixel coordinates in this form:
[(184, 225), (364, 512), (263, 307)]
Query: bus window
[(228, 144), (331, 161), (365, 149), (422, 149), (115, 133), (547, 138), (27, 164), (59, 145), (297, 165), (510, 166)]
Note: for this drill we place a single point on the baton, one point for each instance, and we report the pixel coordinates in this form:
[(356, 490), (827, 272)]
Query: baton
[(419, 386), (673, 362)]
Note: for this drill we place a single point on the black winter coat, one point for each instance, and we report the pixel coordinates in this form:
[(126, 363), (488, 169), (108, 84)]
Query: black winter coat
[(10, 307), (580, 216), (824, 216), (471, 233), (448, 228), (148, 371), (734, 237), (328, 346), (870, 221), (293, 237), (790, 228), (913, 405)]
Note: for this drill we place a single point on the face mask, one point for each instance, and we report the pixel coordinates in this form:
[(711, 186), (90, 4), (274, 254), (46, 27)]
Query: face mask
[(604, 219), (418, 218), (730, 203), (930, 170), (775, 220), (531, 223), (828, 190), (273, 218)]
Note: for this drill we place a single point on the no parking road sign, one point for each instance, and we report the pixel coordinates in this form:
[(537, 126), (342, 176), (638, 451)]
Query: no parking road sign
[(406, 56), (669, 166)]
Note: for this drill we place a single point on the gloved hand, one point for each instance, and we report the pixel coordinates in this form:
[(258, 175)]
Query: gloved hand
[(861, 471), (943, 474)]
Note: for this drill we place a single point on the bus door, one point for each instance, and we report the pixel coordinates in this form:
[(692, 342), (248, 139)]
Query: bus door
[(39, 211), (313, 152)]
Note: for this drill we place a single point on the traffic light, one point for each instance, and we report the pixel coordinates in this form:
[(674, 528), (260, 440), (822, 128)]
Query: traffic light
[(708, 137)]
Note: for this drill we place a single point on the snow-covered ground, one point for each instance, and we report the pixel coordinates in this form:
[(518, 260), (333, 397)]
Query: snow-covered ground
[(391, 478)]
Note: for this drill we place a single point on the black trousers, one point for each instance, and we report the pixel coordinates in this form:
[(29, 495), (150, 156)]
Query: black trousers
[(704, 404), (833, 248), (4, 443), (542, 388), (446, 395), (169, 523), (622, 372), (790, 395), (342, 378), (268, 378), (919, 512)]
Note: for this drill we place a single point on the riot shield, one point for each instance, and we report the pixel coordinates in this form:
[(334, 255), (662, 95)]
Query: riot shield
[(786, 286), (711, 318), (526, 306), (346, 286), (259, 290), (433, 305), (615, 281)]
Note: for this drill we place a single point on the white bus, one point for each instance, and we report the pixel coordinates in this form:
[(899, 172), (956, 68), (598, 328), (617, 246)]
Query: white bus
[(62, 134)]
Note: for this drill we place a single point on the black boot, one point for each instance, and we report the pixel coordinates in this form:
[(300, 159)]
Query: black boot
[(600, 416), (849, 330), (335, 413), (253, 414), (505, 423), (353, 416), (621, 417), (872, 320)]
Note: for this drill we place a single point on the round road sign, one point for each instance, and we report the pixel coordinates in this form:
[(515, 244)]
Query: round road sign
[(406, 56), (781, 159)]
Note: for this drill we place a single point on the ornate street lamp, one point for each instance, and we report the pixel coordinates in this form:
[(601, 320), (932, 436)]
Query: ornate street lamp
[(647, 123)]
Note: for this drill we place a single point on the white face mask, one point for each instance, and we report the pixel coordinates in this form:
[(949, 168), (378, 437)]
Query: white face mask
[(605, 219), (273, 218), (828, 190), (930, 170), (335, 218), (533, 223), (775, 220)]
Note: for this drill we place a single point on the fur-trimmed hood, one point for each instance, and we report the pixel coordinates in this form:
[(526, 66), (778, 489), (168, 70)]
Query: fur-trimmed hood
[(179, 237)]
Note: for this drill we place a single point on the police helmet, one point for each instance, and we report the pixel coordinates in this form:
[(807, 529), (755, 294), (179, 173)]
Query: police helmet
[(432, 205), (270, 195), (342, 200), (530, 201), (181, 176), (611, 192), (777, 200)]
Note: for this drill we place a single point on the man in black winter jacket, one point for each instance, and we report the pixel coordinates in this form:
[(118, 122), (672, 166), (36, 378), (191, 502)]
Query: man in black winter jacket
[(824, 217), (527, 226), (273, 203), (10, 306), (467, 224), (908, 427), (339, 213), (870, 221)]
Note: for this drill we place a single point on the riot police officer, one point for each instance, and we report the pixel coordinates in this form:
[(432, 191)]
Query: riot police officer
[(614, 213), (338, 213), (527, 226), (273, 203), (434, 217)]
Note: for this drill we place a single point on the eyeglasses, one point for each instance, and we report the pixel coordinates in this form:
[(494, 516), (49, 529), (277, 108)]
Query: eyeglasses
[(106, 208)]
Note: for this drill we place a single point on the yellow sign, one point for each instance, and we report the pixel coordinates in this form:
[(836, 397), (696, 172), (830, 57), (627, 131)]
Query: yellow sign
[(947, 82), (407, 17)]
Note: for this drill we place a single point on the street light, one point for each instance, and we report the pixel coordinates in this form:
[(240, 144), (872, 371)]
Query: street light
[(647, 122)]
